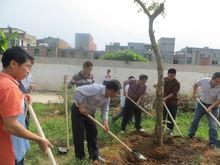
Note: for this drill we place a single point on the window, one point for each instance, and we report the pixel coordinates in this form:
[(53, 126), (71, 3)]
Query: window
[(36, 52), (63, 54), (189, 60), (214, 62), (189, 50), (49, 52)]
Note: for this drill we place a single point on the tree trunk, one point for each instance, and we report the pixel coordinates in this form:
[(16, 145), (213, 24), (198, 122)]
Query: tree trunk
[(159, 90), (158, 9)]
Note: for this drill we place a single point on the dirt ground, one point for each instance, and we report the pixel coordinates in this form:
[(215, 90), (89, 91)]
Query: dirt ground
[(45, 97), (175, 151)]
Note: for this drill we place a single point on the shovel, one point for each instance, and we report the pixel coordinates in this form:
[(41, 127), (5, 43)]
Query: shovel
[(143, 110), (40, 131), (134, 152), (139, 107), (64, 150), (172, 118), (208, 112)]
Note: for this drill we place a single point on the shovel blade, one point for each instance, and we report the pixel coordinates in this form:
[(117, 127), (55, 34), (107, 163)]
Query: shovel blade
[(63, 150), (138, 155)]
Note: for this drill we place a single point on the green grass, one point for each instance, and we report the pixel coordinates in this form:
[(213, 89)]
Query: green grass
[(52, 119)]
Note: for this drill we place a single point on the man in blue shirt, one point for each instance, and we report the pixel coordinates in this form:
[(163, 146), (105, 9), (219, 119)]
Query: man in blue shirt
[(87, 99)]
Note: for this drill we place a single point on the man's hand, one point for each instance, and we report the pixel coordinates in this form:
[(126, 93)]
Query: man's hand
[(44, 144), (124, 93), (28, 98), (194, 96), (105, 124), (83, 111), (209, 109)]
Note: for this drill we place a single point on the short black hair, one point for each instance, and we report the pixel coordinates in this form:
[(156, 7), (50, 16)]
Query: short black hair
[(130, 77), (143, 77), (172, 71), (115, 85), (216, 75), (17, 54), (87, 64)]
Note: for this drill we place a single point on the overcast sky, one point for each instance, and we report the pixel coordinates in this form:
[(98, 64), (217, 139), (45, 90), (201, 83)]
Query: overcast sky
[(193, 23)]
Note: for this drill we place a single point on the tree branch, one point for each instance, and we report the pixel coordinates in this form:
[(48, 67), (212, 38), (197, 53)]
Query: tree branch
[(143, 7), (158, 11)]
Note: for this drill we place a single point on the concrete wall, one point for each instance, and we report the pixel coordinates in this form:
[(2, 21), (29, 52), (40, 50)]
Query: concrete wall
[(48, 72)]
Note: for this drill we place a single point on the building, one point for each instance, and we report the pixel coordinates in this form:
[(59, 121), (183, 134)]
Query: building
[(179, 58), (53, 43), (141, 48), (22, 38), (84, 41), (42, 51), (167, 46), (201, 56), (115, 46)]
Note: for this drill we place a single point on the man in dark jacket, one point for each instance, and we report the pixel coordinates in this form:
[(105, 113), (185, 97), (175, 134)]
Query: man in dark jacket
[(171, 88)]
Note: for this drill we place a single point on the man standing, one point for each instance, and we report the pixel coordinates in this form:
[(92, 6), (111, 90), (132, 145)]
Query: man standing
[(87, 99), (122, 103), (136, 90), (21, 145), (16, 65), (210, 97), (84, 77), (171, 89), (108, 77)]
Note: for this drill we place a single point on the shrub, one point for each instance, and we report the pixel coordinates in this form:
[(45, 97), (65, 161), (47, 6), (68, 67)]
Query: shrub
[(124, 55)]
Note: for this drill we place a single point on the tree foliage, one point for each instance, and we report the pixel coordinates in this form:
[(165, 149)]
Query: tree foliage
[(7, 41), (3, 42), (124, 55)]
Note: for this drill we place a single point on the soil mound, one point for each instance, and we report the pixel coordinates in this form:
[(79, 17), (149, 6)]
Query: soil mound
[(175, 151)]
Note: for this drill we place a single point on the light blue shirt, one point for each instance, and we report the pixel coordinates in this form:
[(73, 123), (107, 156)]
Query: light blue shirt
[(20, 145), (93, 97)]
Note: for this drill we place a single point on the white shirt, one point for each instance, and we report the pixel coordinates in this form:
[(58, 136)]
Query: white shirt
[(208, 94)]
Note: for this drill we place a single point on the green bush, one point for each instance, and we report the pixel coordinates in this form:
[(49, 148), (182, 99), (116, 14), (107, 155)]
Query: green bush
[(124, 55)]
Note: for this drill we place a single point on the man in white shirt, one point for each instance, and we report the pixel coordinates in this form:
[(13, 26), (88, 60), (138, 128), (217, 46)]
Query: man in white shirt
[(210, 97)]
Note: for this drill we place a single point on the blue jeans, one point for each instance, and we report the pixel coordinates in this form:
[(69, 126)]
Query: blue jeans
[(199, 113)]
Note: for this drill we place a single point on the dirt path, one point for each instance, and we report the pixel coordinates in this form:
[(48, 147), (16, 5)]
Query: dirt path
[(45, 97)]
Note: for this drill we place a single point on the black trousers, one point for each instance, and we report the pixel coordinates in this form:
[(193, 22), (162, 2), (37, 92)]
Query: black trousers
[(129, 109), (81, 125), (173, 111), (21, 162)]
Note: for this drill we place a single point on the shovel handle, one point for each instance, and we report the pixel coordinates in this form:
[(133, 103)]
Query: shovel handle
[(66, 116), (208, 111), (91, 118), (40, 131), (172, 118), (139, 107)]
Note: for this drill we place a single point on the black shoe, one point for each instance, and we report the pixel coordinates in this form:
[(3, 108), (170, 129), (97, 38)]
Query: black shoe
[(212, 146), (190, 136)]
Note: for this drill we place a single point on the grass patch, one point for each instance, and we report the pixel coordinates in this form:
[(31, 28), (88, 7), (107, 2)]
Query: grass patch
[(52, 120)]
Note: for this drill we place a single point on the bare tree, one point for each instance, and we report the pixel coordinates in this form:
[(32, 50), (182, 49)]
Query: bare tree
[(152, 12)]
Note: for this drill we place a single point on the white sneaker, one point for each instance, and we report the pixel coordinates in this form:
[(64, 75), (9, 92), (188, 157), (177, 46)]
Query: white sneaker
[(101, 159), (141, 130), (122, 132)]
